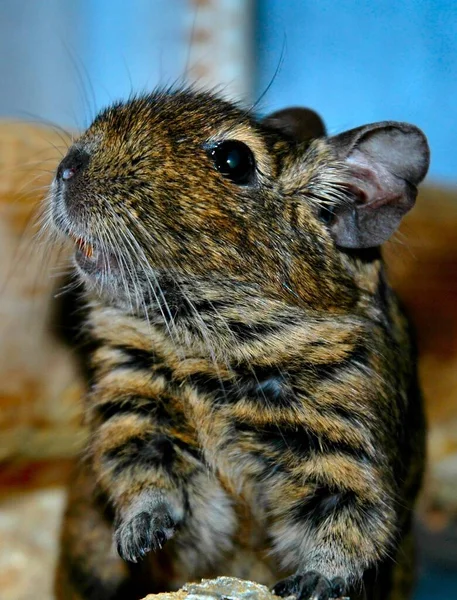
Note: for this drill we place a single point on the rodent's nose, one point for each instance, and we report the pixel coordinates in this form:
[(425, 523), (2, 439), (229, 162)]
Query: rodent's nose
[(75, 162)]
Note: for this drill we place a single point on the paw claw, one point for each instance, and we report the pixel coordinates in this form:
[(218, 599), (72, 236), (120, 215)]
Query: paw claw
[(310, 586), (145, 531)]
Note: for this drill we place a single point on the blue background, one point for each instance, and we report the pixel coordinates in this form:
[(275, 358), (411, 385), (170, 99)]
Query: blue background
[(359, 62)]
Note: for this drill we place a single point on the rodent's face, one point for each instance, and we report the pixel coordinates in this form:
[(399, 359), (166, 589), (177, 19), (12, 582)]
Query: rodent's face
[(188, 191)]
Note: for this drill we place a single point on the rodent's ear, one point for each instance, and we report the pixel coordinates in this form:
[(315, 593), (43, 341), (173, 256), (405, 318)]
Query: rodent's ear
[(385, 162), (301, 124)]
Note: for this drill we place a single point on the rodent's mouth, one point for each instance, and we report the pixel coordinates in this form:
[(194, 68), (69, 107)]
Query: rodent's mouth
[(91, 259), (84, 247)]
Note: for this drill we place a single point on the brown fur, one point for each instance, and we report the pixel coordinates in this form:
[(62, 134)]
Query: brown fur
[(253, 392)]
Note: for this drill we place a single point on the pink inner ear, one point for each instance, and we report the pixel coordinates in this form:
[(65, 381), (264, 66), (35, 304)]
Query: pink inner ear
[(382, 198), (371, 182), (398, 149)]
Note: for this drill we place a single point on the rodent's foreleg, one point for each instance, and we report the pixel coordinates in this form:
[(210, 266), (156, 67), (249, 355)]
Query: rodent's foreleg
[(143, 463), (327, 488), (334, 525)]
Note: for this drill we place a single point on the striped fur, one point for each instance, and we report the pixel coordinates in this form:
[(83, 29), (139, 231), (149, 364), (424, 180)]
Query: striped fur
[(253, 398)]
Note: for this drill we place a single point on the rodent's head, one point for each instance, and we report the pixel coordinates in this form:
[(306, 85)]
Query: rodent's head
[(190, 192)]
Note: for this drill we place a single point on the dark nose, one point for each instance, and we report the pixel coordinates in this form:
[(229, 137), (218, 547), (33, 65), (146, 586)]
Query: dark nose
[(75, 162)]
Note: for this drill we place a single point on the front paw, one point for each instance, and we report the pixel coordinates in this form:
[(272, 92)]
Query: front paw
[(311, 586), (140, 532)]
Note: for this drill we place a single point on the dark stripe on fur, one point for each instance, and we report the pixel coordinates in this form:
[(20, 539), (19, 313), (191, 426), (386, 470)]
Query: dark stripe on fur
[(136, 406), (300, 441), (246, 332), (324, 371), (153, 451), (322, 503), (142, 359)]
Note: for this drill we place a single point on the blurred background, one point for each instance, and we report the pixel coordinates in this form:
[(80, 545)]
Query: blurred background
[(354, 62)]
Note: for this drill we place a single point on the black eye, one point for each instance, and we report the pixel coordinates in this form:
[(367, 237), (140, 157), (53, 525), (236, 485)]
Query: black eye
[(234, 160)]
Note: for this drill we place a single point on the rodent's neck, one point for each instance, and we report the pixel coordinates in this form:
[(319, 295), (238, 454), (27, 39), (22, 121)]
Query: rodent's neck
[(227, 322), (263, 333)]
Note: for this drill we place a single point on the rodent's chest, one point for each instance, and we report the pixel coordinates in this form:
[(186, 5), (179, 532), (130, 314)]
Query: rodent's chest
[(224, 452), (221, 411), (207, 412), (204, 420)]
